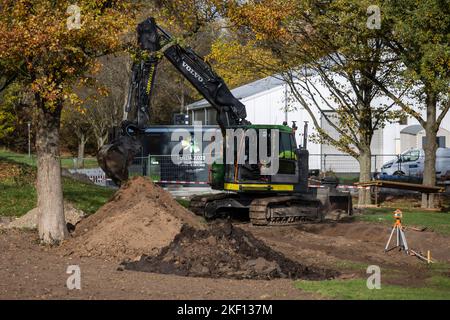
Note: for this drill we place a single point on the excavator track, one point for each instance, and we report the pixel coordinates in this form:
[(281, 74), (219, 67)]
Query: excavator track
[(265, 211), (198, 203), (284, 210)]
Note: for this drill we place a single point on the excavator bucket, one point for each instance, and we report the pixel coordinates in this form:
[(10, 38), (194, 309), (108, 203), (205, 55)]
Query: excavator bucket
[(114, 158)]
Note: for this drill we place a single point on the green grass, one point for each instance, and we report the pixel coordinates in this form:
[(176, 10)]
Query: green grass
[(436, 221), (24, 159), (17, 157), (437, 287), (86, 197), (351, 265), (184, 202), (347, 179), (18, 198)]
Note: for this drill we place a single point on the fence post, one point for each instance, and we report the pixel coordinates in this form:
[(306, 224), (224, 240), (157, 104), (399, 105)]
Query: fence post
[(376, 163), (149, 167)]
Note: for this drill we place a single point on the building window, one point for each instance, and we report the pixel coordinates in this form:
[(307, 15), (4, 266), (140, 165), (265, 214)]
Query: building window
[(440, 141), (199, 115)]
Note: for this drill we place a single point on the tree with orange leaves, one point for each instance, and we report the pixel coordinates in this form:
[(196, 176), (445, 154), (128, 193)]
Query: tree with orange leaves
[(321, 49), (50, 47)]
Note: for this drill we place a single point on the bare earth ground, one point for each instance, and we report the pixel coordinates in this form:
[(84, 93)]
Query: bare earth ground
[(351, 247), (30, 271)]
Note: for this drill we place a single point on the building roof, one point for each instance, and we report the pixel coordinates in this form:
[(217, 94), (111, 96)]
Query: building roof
[(412, 129), (244, 91)]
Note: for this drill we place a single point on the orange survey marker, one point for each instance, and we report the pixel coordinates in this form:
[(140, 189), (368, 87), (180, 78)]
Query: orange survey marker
[(401, 238), (400, 234)]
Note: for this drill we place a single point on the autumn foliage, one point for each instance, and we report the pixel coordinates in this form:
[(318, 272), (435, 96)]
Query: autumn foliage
[(37, 44), (50, 47)]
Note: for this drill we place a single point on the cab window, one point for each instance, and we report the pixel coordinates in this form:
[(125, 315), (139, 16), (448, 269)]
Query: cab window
[(287, 149), (287, 154), (411, 156)]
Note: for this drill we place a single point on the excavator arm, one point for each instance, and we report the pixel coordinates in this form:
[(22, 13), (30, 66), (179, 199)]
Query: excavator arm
[(230, 111), (154, 42)]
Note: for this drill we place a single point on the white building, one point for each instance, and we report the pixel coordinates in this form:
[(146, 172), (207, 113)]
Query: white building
[(267, 101)]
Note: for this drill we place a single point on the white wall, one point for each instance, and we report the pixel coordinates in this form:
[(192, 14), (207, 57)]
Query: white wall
[(441, 133), (269, 108), (407, 141), (391, 134)]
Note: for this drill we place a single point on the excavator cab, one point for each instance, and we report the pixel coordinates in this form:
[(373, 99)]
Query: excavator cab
[(276, 168), (282, 197)]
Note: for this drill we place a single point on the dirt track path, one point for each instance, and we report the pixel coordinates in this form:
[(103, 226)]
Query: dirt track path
[(28, 271)]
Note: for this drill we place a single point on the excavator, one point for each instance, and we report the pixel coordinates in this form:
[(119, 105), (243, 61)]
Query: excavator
[(282, 198)]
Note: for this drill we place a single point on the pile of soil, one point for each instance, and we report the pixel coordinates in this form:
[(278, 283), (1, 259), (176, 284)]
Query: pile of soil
[(224, 251), (143, 226), (31, 218), (141, 218)]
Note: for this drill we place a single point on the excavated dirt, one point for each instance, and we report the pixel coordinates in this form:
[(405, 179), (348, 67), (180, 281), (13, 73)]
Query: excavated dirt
[(141, 218), (31, 218), (377, 235), (351, 247), (224, 251), (143, 226)]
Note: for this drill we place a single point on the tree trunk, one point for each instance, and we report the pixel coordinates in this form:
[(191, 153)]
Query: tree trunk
[(101, 141), (81, 145), (365, 166), (430, 147), (52, 225), (126, 89)]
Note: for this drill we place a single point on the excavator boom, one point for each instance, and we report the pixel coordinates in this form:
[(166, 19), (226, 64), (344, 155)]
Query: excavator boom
[(115, 157)]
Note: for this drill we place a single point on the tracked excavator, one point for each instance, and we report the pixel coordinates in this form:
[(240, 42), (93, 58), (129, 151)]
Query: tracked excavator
[(283, 198)]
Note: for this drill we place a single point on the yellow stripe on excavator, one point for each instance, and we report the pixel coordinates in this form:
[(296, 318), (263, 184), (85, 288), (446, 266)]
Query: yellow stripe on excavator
[(150, 79), (258, 187)]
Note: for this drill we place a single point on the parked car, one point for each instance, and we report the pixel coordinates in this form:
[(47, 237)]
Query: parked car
[(411, 164)]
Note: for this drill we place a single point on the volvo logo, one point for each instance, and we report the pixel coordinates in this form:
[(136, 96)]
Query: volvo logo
[(192, 71)]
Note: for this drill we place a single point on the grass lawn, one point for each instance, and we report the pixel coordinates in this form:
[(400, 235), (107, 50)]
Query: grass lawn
[(18, 198), (435, 221), (86, 197), (437, 287), (23, 158), (183, 202)]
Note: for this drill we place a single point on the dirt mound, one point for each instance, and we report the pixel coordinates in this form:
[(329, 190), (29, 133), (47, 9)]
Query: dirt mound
[(223, 251), (30, 219), (141, 218)]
